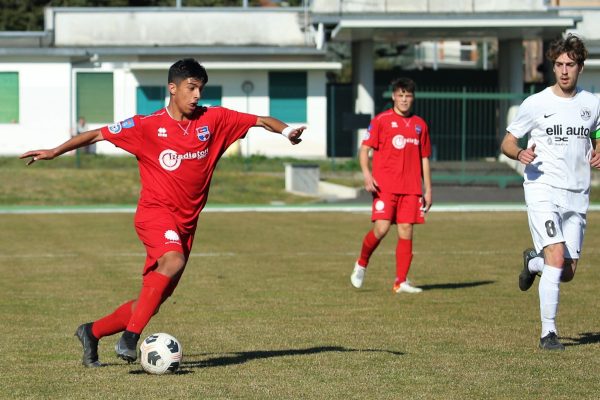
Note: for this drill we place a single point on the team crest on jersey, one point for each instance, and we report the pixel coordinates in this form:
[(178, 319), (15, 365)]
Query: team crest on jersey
[(203, 133), (585, 113), (418, 129)]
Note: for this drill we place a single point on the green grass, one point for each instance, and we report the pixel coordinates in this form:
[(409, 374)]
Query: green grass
[(115, 180), (265, 310)]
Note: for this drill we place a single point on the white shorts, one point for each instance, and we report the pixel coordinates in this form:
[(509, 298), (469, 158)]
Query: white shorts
[(550, 224)]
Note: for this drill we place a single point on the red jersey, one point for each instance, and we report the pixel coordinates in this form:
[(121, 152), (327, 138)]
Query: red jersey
[(177, 159), (399, 144)]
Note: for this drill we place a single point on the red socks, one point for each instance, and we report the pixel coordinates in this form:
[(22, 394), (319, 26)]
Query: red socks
[(152, 295), (150, 298), (113, 323), (403, 259), (370, 243)]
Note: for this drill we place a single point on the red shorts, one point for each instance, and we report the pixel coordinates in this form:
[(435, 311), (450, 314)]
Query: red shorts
[(160, 234), (398, 208)]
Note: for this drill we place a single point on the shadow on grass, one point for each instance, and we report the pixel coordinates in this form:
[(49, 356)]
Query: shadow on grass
[(462, 285), (584, 338), (245, 356)]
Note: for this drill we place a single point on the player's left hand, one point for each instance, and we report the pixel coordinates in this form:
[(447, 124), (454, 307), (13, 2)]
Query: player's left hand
[(595, 160), (294, 136), (38, 155)]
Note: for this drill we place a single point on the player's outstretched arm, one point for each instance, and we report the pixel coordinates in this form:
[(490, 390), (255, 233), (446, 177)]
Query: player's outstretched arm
[(84, 139), (274, 125)]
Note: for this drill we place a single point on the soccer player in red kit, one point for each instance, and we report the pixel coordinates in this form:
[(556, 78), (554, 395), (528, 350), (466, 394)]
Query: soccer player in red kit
[(400, 182), (177, 149)]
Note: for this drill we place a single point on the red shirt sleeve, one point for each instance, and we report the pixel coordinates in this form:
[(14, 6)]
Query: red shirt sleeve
[(425, 142), (371, 137), (235, 124), (126, 134)]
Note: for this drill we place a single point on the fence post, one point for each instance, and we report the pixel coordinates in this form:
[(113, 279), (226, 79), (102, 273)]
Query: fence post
[(463, 132)]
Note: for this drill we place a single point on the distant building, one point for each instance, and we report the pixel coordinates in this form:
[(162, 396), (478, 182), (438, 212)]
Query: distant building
[(106, 64)]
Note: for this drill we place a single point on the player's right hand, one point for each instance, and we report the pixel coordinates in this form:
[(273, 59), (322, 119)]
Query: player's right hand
[(371, 185), (38, 155), (528, 155)]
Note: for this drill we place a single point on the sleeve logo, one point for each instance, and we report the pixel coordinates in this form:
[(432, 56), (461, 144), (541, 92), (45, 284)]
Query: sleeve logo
[(118, 126), (114, 128), (128, 123)]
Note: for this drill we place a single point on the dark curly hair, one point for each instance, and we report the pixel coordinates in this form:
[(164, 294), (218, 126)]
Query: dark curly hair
[(406, 84), (187, 68), (572, 45)]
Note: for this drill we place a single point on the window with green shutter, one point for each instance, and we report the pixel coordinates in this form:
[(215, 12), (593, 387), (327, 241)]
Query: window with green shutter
[(9, 97), (287, 96), (150, 99), (211, 96), (95, 96)]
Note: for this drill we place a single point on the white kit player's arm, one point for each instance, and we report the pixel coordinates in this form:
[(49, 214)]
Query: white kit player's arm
[(595, 159), (510, 148)]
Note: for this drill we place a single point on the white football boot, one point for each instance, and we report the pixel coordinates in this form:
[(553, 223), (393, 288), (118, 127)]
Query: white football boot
[(406, 287), (358, 275)]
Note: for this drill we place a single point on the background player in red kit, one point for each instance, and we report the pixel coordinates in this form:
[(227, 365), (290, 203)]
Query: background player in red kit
[(400, 182), (177, 149)]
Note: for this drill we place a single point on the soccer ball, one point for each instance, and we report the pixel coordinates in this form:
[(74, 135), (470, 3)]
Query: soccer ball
[(161, 353)]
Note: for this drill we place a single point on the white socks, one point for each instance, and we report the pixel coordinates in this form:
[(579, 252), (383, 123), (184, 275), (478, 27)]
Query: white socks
[(536, 265), (549, 295)]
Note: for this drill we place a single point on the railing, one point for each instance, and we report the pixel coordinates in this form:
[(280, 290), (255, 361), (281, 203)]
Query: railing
[(466, 127)]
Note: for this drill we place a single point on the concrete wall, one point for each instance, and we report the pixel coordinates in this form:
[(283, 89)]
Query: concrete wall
[(43, 107), (430, 6), (201, 27)]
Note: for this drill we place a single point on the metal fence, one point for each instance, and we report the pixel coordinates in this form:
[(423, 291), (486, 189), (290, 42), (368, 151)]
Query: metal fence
[(466, 125)]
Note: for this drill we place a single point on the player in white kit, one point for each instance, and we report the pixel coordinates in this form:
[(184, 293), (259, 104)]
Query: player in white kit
[(563, 122)]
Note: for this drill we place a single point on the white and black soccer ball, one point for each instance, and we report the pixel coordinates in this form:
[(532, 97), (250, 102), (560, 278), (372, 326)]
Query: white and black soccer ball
[(160, 353)]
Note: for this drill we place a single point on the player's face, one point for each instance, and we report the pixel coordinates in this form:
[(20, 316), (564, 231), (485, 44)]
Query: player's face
[(403, 101), (566, 72), (186, 94)]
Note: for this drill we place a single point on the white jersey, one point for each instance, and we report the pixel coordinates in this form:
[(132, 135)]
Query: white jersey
[(561, 129)]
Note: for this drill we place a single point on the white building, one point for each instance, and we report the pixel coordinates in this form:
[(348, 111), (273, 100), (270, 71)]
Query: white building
[(108, 64)]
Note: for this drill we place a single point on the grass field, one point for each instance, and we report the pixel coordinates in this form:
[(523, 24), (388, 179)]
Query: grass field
[(115, 180), (266, 311)]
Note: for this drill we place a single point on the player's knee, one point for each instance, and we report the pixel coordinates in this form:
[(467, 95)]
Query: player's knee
[(171, 264), (380, 232)]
